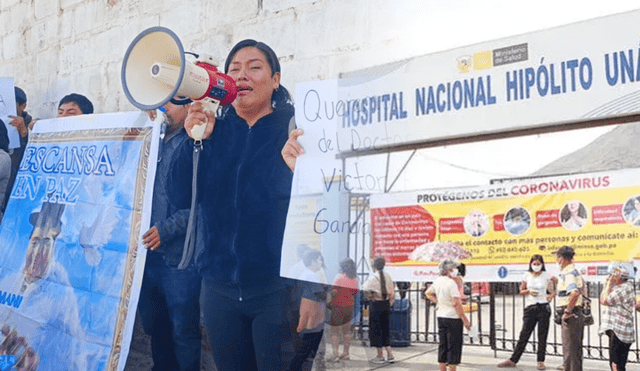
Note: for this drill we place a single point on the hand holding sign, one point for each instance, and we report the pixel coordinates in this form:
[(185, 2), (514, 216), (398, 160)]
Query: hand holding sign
[(19, 124), (292, 149)]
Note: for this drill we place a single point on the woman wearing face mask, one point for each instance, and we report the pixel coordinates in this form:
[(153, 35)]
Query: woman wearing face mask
[(444, 292), (537, 289)]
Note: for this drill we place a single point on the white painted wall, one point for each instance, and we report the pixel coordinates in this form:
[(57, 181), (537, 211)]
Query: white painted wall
[(55, 47)]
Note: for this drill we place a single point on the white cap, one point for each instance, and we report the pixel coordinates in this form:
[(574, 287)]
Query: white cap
[(626, 269)]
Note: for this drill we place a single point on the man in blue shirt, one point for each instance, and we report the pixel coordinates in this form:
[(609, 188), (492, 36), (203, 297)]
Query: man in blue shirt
[(169, 298)]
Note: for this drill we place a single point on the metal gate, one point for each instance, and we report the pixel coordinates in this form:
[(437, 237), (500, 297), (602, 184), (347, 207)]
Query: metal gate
[(496, 310)]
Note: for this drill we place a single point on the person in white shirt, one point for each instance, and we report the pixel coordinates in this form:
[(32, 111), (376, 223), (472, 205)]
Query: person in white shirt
[(379, 289), (537, 289), (444, 292)]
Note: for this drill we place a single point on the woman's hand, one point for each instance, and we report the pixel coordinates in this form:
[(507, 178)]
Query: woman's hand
[(152, 114), (467, 323), (292, 149), (311, 314), (369, 294), (550, 297), (199, 116)]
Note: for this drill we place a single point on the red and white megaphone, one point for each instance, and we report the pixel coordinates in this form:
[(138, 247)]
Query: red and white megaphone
[(154, 71)]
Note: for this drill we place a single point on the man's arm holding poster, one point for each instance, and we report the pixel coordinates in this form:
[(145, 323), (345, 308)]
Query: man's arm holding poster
[(166, 230)]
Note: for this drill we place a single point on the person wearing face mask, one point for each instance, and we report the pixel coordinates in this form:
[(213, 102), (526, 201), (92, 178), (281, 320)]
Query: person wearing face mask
[(444, 292), (537, 289)]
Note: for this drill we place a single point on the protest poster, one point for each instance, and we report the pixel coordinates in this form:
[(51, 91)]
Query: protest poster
[(7, 98), (71, 264), (496, 229), (8, 108)]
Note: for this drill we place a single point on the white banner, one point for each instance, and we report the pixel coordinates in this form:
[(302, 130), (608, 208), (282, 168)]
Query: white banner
[(583, 71)]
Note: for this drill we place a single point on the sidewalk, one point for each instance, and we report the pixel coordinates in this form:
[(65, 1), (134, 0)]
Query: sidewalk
[(418, 356), (424, 357)]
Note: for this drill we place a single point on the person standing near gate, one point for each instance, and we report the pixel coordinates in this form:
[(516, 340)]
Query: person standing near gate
[(451, 317), (618, 297), (345, 288), (379, 289), (538, 292), (569, 292)]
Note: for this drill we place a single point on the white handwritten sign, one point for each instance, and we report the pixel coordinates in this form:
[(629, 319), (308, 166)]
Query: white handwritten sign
[(8, 108)]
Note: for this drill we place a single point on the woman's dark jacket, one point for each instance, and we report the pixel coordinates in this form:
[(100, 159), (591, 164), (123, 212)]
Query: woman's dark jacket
[(243, 197)]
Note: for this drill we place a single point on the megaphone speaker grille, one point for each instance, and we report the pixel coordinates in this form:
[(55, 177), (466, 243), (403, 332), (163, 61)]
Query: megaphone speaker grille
[(156, 44)]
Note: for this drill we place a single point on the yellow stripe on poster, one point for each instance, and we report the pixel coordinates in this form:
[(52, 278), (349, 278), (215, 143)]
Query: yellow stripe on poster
[(597, 223)]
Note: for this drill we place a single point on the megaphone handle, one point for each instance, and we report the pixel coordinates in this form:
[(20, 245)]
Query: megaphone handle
[(211, 105)]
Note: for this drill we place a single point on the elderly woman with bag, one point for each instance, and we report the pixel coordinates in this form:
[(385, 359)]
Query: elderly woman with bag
[(444, 292), (618, 297)]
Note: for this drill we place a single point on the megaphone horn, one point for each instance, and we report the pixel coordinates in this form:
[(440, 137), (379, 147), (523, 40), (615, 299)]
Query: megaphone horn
[(154, 70)]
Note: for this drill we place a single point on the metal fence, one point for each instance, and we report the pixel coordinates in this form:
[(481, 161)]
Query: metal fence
[(497, 312), (498, 316)]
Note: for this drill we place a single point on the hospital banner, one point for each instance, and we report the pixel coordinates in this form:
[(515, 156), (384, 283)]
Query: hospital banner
[(495, 229), (579, 72), (70, 263)]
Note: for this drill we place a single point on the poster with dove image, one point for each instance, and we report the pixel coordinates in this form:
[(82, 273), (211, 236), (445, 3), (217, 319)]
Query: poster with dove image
[(71, 263)]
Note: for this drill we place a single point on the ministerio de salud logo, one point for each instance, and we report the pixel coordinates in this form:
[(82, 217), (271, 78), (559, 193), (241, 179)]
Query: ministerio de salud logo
[(493, 58), (477, 61)]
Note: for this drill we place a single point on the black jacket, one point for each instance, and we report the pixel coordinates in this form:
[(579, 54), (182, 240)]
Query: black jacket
[(16, 157), (243, 197)]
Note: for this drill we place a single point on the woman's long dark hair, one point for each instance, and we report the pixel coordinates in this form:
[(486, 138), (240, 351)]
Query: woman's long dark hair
[(280, 97), (378, 264)]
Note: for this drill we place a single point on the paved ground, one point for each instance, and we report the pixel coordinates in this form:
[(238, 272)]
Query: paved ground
[(474, 358), (421, 357), (140, 353)]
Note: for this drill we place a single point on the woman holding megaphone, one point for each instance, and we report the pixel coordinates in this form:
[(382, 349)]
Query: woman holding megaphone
[(243, 186)]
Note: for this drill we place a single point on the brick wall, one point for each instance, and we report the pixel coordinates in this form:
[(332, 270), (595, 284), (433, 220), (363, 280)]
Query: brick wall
[(54, 47)]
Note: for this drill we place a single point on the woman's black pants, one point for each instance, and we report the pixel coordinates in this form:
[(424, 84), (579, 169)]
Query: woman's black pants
[(533, 314)]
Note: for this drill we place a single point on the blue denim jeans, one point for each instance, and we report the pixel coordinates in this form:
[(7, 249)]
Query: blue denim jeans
[(170, 311)]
